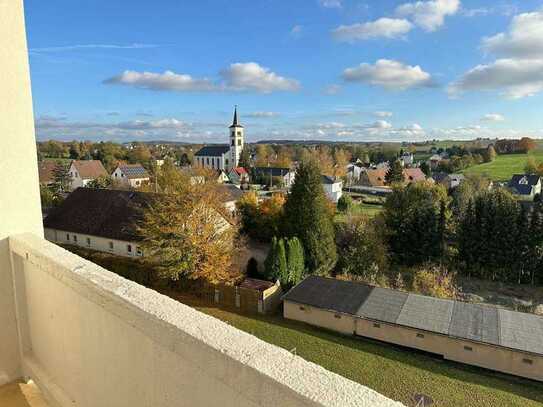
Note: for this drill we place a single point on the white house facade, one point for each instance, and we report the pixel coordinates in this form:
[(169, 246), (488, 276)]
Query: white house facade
[(84, 171), (223, 156), (332, 187), (132, 175)]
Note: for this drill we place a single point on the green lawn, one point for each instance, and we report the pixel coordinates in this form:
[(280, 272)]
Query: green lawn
[(504, 166), (394, 372), (362, 208)]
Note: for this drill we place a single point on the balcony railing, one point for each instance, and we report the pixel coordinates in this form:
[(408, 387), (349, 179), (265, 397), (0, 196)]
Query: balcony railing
[(89, 337)]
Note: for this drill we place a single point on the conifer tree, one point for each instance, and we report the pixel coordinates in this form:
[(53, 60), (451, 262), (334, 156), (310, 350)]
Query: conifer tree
[(394, 173), (295, 260), (308, 218), (276, 262)]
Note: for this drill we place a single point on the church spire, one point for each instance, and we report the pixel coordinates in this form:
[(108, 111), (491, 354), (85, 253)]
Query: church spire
[(235, 121)]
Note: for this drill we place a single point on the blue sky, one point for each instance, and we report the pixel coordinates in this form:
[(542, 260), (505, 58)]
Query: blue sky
[(301, 69)]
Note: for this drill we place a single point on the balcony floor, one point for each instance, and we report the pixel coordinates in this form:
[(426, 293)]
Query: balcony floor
[(21, 394)]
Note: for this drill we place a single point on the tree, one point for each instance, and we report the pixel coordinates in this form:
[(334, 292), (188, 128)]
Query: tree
[(395, 173), (526, 144), (344, 203), (245, 158), (362, 249), (425, 168), (61, 177), (415, 219), (341, 159), (261, 221), (75, 151), (185, 233), (276, 262), (103, 181), (295, 260), (531, 166), (307, 217), (490, 154)]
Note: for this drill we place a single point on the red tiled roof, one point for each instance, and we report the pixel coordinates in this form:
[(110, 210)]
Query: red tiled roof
[(413, 175), (45, 171), (89, 169), (240, 170), (376, 178)]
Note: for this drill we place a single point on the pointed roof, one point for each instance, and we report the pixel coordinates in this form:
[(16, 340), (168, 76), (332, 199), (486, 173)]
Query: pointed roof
[(235, 121)]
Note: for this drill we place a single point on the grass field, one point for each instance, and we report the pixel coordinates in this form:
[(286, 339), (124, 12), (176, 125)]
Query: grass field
[(361, 208), (395, 372), (504, 166)]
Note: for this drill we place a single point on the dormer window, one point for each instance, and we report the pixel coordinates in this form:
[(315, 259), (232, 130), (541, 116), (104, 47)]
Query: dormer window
[(523, 181)]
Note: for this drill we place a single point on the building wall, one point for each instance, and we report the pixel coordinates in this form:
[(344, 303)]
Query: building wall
[(459, 350), (216, 163), (333, 191), (315, 316), (102, 244), (20, 209)]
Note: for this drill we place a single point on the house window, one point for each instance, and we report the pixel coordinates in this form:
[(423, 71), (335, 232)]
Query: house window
[(110, 245), (88, 241), (528, 361), (239, 142), (420, 335), (226, 161), (337, 316), (139, 252), (129, 248), (468, 348), (207, 160), (376, 325), (67, 236), (75, 238), (302, 308)]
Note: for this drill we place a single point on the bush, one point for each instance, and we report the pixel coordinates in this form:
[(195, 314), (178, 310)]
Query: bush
[(434, 281), (345, 203)]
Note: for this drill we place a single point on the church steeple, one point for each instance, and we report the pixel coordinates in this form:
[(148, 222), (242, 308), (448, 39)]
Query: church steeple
[(236, 141), (235, 121)]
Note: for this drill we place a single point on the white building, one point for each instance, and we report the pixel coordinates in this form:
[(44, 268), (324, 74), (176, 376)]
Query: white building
[(223, 156), (332, 187), (407, 159), (132, 175), (84, 171)]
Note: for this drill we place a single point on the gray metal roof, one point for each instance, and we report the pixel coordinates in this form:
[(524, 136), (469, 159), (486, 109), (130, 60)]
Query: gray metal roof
[(476, 322), (213, 151)]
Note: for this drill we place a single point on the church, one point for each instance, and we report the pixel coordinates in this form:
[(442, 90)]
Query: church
[(223, 156)]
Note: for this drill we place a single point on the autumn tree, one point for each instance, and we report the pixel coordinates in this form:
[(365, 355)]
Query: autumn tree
[(61, 177), (341, 159), (308, 218), (531, 166), (245, 158), (489, 154), (526, 144), (185, 233)]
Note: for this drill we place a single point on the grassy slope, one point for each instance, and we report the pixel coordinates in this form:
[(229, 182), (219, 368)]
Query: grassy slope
[(396, 373), (504, 166)]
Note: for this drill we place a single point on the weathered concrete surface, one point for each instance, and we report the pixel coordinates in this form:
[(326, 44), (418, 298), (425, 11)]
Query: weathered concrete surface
[(20, 394)]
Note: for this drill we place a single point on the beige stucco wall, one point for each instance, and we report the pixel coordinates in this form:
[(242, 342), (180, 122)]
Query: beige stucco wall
[(315, 316), (92, 338), (19, 186), (96, 242)]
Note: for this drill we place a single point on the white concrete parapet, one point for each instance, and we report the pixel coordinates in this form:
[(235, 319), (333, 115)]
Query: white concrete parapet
[(92, 338)]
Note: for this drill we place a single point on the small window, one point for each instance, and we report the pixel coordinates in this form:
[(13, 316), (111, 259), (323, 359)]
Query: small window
[(376, 325), (67, 236), (302, 308), (111, 245), (468, 348), (337, 316), (239, 133), (88, 241), (420, 335), (233, 142), (129, 248), (137, 182), (139, 252), (239, 142), (75, 238), (528, 361)]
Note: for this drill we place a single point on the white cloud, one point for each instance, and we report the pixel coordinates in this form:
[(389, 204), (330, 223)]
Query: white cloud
[(248, 76), (429, 15), (332, 89), (492, 117), (382, 113), (296, 31), (166, 81), (524, 39), (513, 78), (251, 76), (390, 74), (380, 125), (383, 27), (259, 115), (330, 3)]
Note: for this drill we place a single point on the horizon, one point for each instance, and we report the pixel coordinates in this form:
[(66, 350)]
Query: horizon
[(322, 70)]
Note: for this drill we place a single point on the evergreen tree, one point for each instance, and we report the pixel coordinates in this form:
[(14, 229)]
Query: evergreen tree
[(344, 203), (307, 217), (245, 158), (394, 173), (425, 168), (61, 177), (295, 260), (276, 262)]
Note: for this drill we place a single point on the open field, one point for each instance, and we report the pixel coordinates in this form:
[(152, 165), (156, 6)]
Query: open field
[(395, 372), (504, 166), (360, 208)]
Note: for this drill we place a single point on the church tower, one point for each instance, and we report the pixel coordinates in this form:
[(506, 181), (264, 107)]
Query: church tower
[(236, 140)]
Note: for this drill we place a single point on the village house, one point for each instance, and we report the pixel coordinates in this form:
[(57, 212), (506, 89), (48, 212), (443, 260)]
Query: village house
[(274, 176), (373, 177), (84, 171), (46, 172), (223, 156), (480, 335), (525, 186), (238, 176), (411, 175), (407, 159), (131, 175), (353, 171), (332, 187), (434, 160)]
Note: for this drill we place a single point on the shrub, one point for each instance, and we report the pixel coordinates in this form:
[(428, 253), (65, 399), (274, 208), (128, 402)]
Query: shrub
[(434, 281), (344, 203)]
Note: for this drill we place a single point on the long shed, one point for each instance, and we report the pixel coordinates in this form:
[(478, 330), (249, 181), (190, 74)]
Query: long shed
[(475, 334)]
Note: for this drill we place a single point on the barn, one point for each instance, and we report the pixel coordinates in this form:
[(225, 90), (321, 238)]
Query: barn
[(479, 335)]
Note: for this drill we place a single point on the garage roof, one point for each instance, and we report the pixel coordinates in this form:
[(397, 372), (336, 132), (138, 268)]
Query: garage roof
[(476, 322)]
